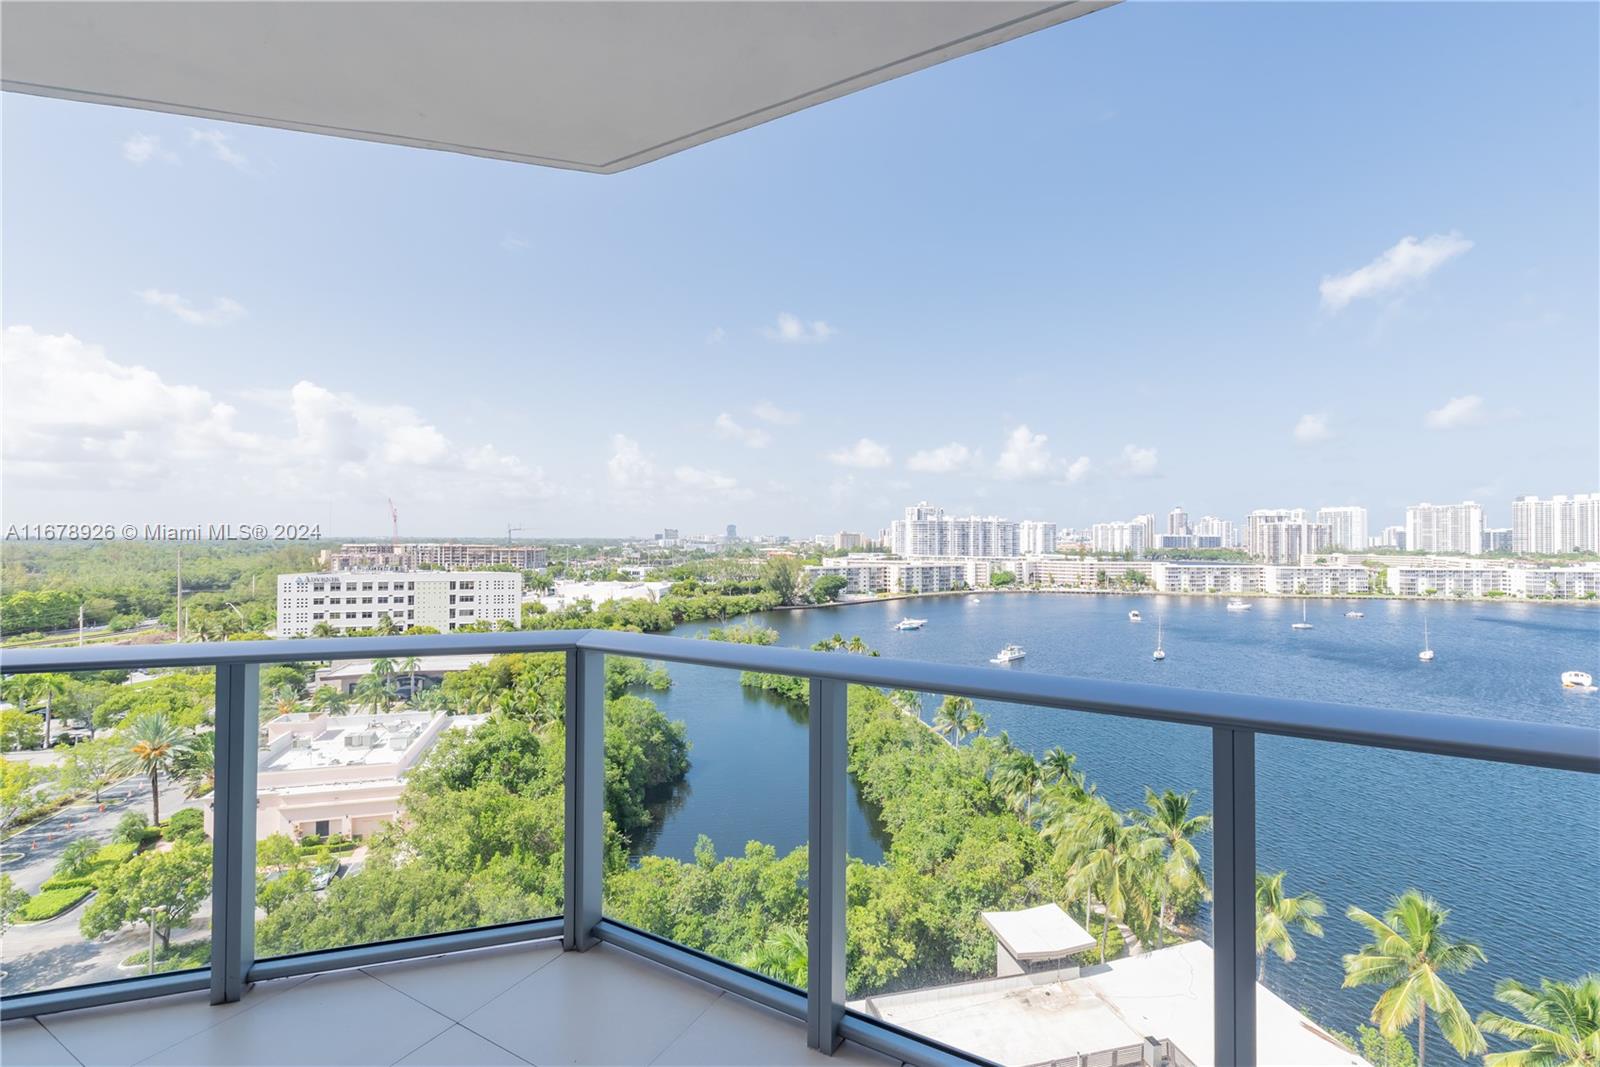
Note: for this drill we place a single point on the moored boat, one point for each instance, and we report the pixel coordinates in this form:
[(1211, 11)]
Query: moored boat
[(1238, 605), (910, 624), (1009, 654), (1577, 680), (1134, 616)]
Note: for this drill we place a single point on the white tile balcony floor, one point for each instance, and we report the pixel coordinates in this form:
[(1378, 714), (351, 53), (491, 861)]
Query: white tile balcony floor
[(517, 1004)]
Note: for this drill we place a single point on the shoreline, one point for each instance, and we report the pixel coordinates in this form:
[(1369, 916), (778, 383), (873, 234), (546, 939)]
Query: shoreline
[(1248, 597)]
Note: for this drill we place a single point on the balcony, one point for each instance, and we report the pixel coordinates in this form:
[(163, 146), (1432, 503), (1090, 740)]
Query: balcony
[(1194, 1001)]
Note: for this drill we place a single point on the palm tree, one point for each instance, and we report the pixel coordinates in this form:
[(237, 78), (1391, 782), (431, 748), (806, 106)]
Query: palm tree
[(1059, 765), (1018, 780), (784, 955), (1409, 955), (196, 764), (907, 701), (152, 744), (1276, 914), (1107, 854), (383, 667), (1168, 822), (374, 692), (949, 720), (410, 665), (36, 690), (328, 700), (1562, 1027)]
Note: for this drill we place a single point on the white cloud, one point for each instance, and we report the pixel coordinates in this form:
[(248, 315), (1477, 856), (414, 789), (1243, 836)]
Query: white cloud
[(727, 426), (141, 148), (1312, 428), (512, 243), (222, 311), (221, 150), (943, 460), (1078, 469), (1457, 413), (628, 468), (1137, 462), (74, 417), (716, 336), (767, 411), (865, 453), (1407, 262), (1026, 455), (790, 329), (696, 478)]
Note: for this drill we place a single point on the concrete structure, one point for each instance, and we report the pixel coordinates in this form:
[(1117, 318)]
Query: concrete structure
[(1178, 522), (1036, 538), (1131, 537), (1445, 528), (1162, 998), (1223, 529), (1347, 527), (566, 594), (927, 531), (1559, 524), (1283, 535), (319, 775), (345, 674), (444, 555), (847, 541), (1034, 939), (360, 600)]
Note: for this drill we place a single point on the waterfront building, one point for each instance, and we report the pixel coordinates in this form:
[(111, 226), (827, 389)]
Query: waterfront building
[(1178, 522), (444, 600), (1445, 528), (1076, 572), (1036, 538), (927, 531), (442, 555), (1283, 535), (1119, 537), (1497, 577), (1316, 580), (1347, 527), (1200, 576), (869, 573), (1559, 524)]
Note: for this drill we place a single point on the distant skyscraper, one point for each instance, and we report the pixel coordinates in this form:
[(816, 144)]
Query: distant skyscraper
[(1178, 522), (1036, 538), (1283, 535), (1445, 528), (1118, 537), (1559, 524), (1393, 537), (1497, 539), (1347, 527), (928, 531), (1222, 529), (733, 532), (1148, 524)]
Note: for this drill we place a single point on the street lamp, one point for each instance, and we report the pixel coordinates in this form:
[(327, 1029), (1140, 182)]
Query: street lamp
[(150, 918)]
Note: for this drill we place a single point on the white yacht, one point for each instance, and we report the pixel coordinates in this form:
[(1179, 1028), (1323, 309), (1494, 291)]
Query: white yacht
[(1238, 605), (1355, 614), (910, 624), (1426, 655), (1577, 680), (1160, 653), (1134, 616), (1009, 654), (1302, 624)]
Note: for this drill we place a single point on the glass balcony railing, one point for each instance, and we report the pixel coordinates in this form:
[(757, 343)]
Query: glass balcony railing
[(945, 864)]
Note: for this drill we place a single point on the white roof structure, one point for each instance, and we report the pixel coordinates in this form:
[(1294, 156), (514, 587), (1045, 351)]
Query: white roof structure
[(1042, 933), (600, 87)]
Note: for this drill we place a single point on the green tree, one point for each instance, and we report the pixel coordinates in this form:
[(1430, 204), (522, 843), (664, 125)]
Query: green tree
[(1166, 820), (77, 859), (1108, 854), (1560, 1024), (327, 700), (22, 788), (1277, 915), (151, 744), (827, 588), (374, 692), (12, 900), (19, 730), (195, 764), (781, 575), (784, 955), (29, 691), (91, 765), (1409, 955), (956, 718), (409, 666), (163, 890), (1018, 779)]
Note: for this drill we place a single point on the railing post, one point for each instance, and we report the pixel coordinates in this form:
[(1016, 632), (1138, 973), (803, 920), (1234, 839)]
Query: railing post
[(1233, 798), (585, 808), (233, 830), (826, 823)]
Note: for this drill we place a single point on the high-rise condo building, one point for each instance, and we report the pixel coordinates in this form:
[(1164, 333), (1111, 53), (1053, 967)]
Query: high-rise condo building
[(732, 533), (1393, 537), (1347, 527), (1222, 529), (1497, 539), (1119, 537), (360, 600), (1178, 522), (1445, 528), (1148, 524), (1283, 535), (447, 556), (1559, 524), (928, 531), (1036, 538), (848, 541)]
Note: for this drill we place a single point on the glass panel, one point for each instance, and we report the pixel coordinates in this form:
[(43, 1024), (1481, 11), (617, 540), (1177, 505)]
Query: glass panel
[(1036, 887), (107, 822), (716, 857), (404, 796), (1500, 856)]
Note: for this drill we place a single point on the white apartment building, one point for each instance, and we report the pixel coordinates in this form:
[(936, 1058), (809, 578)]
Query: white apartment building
[(359, 600), (847, 541), (1497, 539), (1347, 527), (447, 555), (1178, 522), (1438, 579), (1074, 572), (927, 531), (1317, 580), (1559, 524), (1222, 529), (870, 573), (1036, 538), (1199, 576), (1283, 535), (1119, 537), (1445, 528), (1393, 537)]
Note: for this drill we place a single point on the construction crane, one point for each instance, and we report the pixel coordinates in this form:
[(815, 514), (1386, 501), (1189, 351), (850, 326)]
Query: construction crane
[(394, 523), (513, 530)]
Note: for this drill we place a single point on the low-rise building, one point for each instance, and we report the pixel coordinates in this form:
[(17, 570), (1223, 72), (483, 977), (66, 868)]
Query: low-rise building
[(343, 675), (1187, 576), (443, 555), (361, 600), (1316, 580)]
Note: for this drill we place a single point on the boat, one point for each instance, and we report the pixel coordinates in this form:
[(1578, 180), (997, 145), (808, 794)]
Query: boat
[(974, 598), (1160, 653), (1009, 654), (1426, 655), (1238, 605), (1355, 614), (1302, 624), (1577, 680), (1134, 616), (910, 624)]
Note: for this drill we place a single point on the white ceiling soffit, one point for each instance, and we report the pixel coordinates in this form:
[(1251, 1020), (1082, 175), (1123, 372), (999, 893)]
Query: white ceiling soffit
[(597, 86)]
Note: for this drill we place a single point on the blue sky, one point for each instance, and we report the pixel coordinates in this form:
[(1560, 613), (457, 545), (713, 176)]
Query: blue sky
[(1223, 256)]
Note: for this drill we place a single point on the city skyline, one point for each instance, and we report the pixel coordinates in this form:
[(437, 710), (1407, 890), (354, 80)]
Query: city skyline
[(799, 329)]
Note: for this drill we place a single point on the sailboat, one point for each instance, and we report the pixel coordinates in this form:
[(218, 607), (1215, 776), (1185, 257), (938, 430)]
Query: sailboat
[(1160, 653), (1302, 624), (1426, 655)]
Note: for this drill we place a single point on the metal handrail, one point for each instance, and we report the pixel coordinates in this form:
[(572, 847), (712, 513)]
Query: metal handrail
[(1558, 747)]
